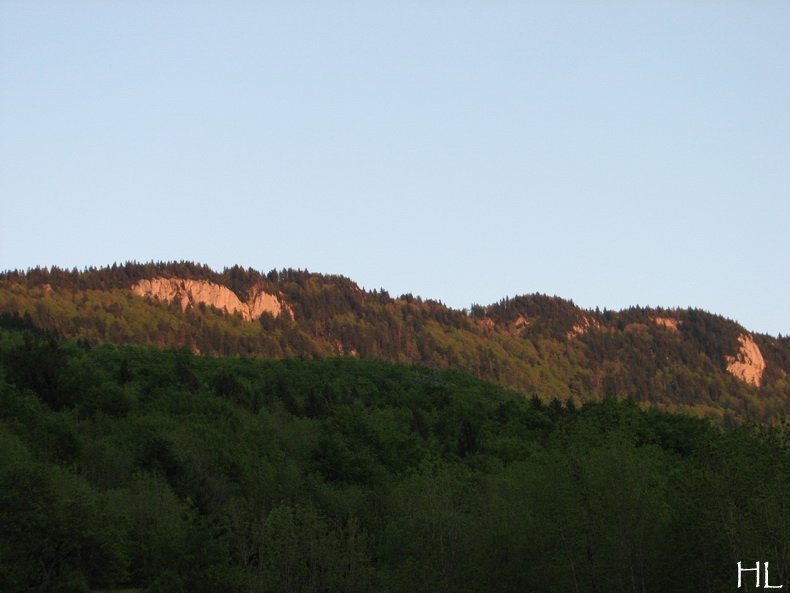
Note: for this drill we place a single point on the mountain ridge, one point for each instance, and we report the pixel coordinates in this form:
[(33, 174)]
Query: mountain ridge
[(684, 359)]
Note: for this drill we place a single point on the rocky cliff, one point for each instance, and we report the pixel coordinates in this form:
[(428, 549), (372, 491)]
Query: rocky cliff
[(748, 364), (190, 293)]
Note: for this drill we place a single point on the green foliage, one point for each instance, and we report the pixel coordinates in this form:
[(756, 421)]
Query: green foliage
[(156, 470), (56, 530)]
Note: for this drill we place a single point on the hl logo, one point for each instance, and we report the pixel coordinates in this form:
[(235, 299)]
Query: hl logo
[(756, 571)]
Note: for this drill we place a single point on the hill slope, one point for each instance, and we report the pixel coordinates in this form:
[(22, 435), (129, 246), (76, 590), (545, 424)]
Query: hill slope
[(675, 359), (142, 469)]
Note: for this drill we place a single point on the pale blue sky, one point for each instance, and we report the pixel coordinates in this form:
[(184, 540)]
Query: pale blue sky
[(614, 153)]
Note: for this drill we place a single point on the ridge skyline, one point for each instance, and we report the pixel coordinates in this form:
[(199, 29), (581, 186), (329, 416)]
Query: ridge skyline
[(451, 304)]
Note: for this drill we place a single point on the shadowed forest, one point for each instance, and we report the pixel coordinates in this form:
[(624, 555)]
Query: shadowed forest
[(145, 469)]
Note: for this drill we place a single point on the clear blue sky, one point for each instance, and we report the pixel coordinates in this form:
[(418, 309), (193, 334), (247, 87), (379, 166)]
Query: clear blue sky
[(614, 153)]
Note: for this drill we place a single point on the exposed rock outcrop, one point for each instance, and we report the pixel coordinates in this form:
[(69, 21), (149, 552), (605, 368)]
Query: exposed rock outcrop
[(521, 322), (668, 322), (488, 323), (583, 326), (190, 293), (748, 364)]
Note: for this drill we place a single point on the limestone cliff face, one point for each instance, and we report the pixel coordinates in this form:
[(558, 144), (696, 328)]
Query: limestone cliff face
[(668, 322), (584, 325), (748, 364), (194, 292)]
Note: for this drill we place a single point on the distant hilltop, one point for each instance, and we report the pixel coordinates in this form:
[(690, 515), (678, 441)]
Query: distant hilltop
[(678, 359)]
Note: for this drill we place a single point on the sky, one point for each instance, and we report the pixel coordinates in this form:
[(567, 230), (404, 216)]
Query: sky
[(613, 153)]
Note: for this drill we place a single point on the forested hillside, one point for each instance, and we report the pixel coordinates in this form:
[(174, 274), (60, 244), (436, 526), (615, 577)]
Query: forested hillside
[(141, 469), (686, 360)]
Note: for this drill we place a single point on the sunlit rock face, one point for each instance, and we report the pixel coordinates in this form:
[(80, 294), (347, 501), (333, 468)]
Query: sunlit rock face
[(668, 322), (748, 364), (583, 326), (191, 293)]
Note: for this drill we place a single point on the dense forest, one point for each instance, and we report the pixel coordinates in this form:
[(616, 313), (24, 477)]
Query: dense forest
[(539, 345), (141, 469)]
